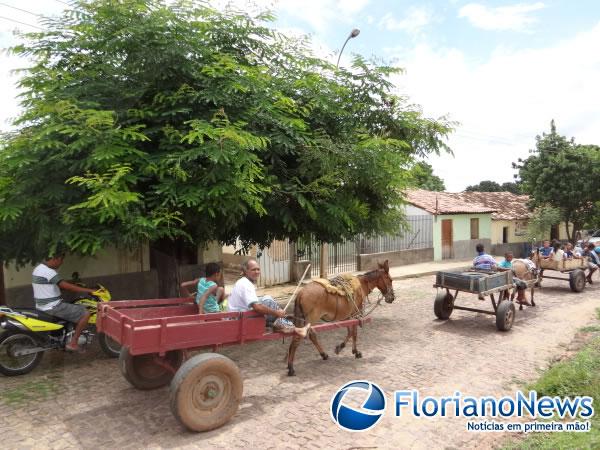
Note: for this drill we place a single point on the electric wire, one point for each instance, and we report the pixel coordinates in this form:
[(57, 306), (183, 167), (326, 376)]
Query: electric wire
[(21, 23)]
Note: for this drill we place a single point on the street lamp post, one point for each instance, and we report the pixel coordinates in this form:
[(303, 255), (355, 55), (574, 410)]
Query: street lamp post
[(355, 32), (324, 247)]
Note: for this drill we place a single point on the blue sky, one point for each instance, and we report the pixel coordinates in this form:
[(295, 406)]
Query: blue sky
[(503, 69)]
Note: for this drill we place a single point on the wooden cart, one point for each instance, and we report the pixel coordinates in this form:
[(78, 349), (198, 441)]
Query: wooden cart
[(573, 268), (483, 284), (206, 390)]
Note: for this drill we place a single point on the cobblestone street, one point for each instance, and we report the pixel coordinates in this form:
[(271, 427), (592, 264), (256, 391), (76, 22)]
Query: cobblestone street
[(82, 401)]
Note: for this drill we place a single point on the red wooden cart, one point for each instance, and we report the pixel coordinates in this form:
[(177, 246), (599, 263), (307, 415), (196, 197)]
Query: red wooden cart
[(206, 390)]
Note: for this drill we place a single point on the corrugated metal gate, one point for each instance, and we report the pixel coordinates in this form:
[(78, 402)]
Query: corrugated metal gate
[(274, 263)]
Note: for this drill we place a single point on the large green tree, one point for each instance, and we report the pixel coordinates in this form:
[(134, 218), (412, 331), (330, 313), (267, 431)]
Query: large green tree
[(563, 175), (180, 123), (422, 176), (492, 186)]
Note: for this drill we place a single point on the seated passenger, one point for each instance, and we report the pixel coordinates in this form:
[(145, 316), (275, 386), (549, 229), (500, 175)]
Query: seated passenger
[(557, 253), (243, 298), (209, 295), (545, 250), (571, 253), (483, 261), (507, 263)]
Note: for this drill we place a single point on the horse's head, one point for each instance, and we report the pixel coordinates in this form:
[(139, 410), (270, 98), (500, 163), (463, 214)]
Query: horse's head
[(384, 282)]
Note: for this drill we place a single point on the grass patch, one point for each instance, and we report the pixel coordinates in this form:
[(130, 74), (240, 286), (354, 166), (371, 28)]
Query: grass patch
[(590, 329), (30, 391), (579, 375)]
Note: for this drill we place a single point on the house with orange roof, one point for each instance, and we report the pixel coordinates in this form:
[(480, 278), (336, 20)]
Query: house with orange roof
[(458, 225)]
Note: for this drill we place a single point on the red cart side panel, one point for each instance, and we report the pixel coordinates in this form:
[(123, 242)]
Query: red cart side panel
[(164, 335), (150, 326)]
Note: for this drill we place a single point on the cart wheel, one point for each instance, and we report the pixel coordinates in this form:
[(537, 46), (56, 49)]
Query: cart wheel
[(577, 280), (109, 346), (443, 305), (206, 392), (149, 371), (505, 315)]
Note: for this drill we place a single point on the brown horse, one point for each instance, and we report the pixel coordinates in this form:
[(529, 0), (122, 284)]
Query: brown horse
[(315, 303)]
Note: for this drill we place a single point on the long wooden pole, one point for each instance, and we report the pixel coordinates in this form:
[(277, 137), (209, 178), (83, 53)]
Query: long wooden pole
[(297, 287), (2, 290)]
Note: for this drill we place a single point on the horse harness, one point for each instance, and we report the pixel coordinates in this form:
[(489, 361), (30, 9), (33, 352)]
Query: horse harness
[(342, 286)]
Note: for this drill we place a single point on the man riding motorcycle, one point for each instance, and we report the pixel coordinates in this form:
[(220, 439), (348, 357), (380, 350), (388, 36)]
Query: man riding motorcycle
[(47, 285)]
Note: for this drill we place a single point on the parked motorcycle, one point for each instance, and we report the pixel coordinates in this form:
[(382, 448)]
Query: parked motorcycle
[(28, 333)]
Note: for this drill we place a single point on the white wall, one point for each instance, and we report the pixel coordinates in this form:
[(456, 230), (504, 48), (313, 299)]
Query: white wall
[(109, 261)]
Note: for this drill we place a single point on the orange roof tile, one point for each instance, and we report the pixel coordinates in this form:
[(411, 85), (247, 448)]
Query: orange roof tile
[(508, 206), (444, 203)]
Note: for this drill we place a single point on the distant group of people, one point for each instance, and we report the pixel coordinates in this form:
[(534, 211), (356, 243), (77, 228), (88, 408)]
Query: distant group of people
[(554, 250), (549, 250)]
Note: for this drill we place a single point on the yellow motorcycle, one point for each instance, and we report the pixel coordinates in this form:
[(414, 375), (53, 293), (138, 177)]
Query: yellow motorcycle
[(28, 333)]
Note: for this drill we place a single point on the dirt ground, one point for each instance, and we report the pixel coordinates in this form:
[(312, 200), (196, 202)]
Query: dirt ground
[(82, 401)]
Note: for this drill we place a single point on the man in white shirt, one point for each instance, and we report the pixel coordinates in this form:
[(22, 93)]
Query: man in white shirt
[(243, 298), (46, 285)]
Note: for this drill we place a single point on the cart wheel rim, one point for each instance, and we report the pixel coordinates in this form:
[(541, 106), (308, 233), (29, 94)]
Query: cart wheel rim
[(509, 317), (211, 392)]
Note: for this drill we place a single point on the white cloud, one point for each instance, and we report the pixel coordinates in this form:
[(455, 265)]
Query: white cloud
[(514, 17), (504, 102), (414, 21)]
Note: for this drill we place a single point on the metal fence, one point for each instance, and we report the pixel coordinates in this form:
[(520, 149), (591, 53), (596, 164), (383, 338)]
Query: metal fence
[(341, 257), (419, 234)]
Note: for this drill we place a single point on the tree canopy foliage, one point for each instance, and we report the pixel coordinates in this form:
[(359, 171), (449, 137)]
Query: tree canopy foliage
[(143, 121), (542, 219), (563, 175), (422, 177), (492, 186)]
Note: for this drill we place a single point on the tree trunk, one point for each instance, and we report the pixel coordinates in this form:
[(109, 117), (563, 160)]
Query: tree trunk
[(164, 260), (576, 228), (166, 256), (569, 233)]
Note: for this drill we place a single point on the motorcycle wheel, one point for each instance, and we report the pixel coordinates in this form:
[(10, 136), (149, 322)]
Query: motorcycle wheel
[(11, 365), (109, 346)]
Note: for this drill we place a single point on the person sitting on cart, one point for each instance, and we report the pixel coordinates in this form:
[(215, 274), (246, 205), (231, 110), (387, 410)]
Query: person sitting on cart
[(243, 298), (571, 253), (47, 285), (209, 295), (546, 250), (507, 263), (483, 261), (557, 253), (593, 260)]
